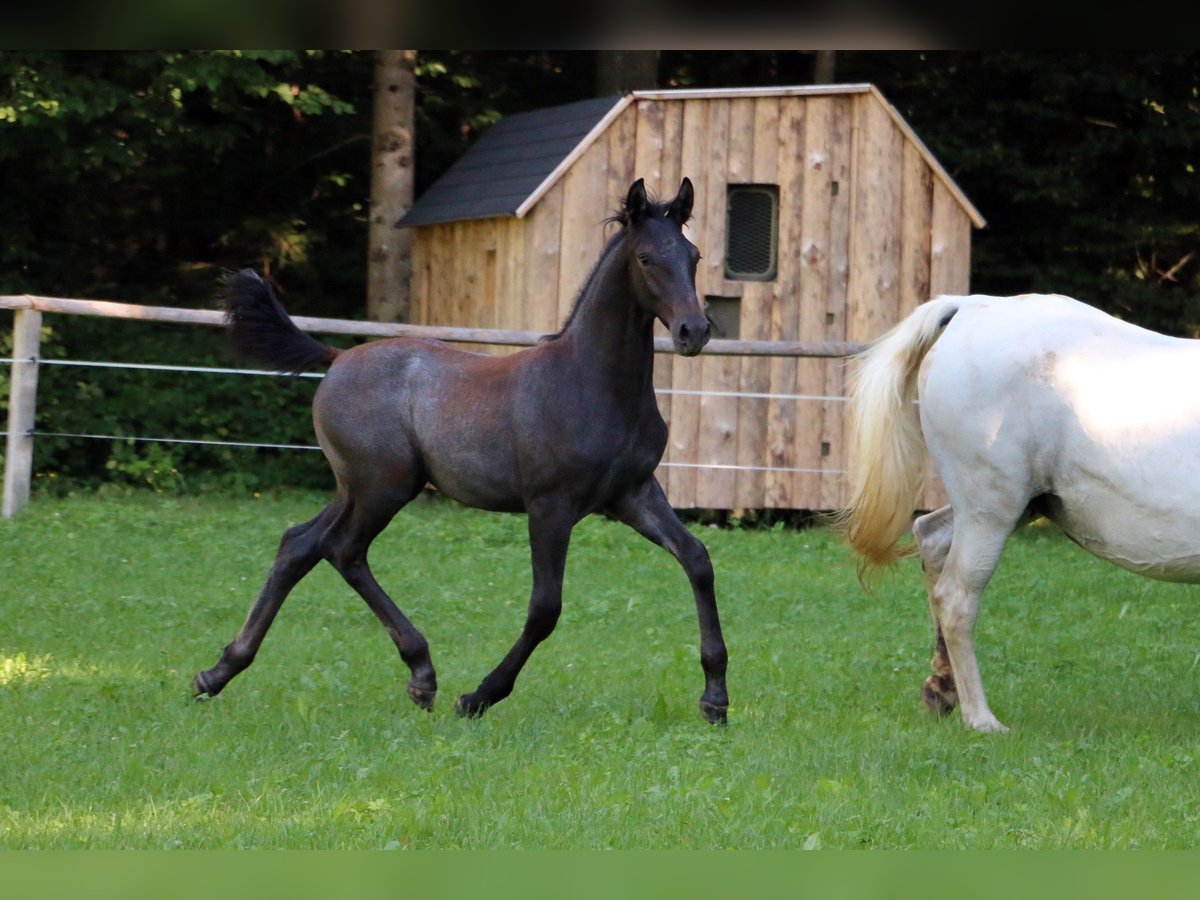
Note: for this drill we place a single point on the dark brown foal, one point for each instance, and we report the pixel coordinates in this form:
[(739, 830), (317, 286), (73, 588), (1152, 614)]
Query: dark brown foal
[(558, 431)]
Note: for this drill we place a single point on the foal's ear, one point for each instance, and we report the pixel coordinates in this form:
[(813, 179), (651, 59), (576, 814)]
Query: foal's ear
[(635, 202), (680, 209)]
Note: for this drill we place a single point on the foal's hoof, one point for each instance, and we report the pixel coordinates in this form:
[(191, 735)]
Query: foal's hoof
[(713, 714), (201, 690), (939, 695), (422, 697), (468, 708)]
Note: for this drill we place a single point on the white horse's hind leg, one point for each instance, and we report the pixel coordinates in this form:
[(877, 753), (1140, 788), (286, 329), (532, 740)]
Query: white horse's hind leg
[(974, 552), (934, 533)]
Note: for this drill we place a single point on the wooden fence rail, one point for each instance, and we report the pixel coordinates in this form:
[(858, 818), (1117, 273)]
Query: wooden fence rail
[(27, 323)]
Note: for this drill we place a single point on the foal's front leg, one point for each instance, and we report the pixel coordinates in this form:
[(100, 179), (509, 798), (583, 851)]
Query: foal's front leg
[(550, 527), (647, 511)]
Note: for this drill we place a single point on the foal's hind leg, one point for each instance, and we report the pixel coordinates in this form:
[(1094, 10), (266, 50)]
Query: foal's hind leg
[(647, 511), (345, 545), (298, 553), (934, 533)]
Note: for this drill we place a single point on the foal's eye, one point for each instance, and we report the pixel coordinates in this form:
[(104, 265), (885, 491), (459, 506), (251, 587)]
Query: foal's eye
[(643, 259)]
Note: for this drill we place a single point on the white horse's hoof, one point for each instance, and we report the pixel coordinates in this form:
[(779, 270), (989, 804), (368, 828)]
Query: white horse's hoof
[(986, 725)]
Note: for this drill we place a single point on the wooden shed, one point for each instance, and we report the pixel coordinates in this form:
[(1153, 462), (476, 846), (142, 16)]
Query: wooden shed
[(820, 216)]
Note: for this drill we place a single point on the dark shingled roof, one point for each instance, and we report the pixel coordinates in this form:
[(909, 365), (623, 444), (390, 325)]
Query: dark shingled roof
[(507, 164)]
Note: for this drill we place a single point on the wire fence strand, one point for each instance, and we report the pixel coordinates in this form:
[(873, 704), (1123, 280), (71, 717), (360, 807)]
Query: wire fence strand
[(218, 370)]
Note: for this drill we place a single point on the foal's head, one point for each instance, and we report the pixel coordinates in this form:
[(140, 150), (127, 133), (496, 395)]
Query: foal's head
[(662, 264)]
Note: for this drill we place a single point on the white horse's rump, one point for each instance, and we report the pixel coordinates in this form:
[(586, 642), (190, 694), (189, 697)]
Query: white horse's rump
[(1031, 404)]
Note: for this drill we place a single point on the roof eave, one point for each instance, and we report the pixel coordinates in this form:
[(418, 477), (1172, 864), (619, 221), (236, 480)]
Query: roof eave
[(569, 160)]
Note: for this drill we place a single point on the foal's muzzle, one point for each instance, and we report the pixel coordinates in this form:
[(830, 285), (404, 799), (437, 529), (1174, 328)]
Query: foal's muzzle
[(691, 336)]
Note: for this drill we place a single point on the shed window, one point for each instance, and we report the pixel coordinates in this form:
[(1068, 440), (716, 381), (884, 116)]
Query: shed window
[(725, 313), (751, 231)]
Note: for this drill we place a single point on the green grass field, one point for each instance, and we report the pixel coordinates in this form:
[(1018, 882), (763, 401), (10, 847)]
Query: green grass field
[(111, 603)]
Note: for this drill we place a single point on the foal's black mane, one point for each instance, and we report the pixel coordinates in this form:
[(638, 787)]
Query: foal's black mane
[(654, 209)]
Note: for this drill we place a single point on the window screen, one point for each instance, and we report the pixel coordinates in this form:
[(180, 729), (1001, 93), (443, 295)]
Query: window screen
[(751, 231)]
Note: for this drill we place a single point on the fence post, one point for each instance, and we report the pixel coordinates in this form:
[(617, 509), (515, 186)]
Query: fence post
[(22, 409)]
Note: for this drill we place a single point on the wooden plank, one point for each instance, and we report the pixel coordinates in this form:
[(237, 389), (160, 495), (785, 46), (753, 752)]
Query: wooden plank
[(667, 176), (757, 299), (466, 274), (831, 453), (873, 288), (709, 214), (472, 249), (648, 146), (662, 386), (215, 318), (428, 283), (503, 266), (510, 290), (419, 286), (622, 159), (718, 420), (441, 295), (781, 430), (717, 433), (785, 313), (22, 411), (805, 90), (648, 140), (812, 238), (875, 265), (480, 247), (916, 232), (491, 277), (671, 165), (694, 156), (740, 160), (543, 237), (424, 239), (840, 164), (950, 263), (454, 277), (583, 214), (830, 349), (754, 378), (825, 258)]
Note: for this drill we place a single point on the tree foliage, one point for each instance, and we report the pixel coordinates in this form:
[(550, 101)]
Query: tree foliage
[(137, 175)]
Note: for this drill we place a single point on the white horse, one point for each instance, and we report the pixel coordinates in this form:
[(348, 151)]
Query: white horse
[(1036, 405)]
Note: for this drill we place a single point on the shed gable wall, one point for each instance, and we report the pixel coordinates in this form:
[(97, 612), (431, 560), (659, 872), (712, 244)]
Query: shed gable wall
[(866, 233)]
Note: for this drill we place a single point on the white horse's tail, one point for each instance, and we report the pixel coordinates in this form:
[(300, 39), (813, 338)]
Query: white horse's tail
[(886, 447)]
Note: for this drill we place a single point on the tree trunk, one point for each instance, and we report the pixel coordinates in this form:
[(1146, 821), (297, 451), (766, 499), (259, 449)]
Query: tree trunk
[(389, 260), (619, 71), (823, 66)]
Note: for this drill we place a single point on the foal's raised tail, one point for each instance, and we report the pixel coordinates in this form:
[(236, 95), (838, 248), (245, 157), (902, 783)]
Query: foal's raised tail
[(260, 329), (886, 447)]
